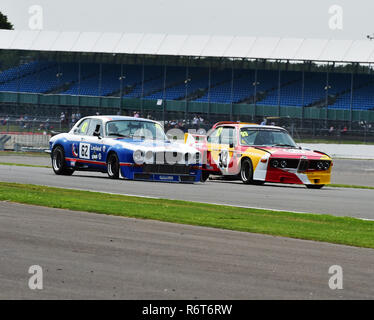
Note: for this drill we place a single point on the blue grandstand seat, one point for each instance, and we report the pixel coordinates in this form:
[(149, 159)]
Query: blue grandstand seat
[(44, 76)]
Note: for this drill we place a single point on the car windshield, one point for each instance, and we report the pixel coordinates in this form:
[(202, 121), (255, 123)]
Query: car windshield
[(266, 137), (135, 130)]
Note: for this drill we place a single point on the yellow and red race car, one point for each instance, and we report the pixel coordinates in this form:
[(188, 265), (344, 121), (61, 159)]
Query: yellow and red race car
[(259, 153)]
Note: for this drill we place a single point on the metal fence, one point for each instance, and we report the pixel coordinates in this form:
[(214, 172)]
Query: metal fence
[(33, 133), (24, 133)]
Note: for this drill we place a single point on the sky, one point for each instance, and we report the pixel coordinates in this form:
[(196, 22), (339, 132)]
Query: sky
[(333, 19)]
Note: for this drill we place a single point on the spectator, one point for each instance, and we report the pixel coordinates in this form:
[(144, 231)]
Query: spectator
[(62, 118), (73, 119)]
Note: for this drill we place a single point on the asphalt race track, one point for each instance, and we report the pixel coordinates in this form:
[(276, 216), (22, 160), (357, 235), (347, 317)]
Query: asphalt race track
[(345, 171), (92, 256), (336, 201)]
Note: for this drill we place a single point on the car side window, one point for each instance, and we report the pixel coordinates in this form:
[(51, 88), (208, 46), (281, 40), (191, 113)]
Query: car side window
[(214, 137), (82, 128), (228, 136), (222, 135), (92, 127)]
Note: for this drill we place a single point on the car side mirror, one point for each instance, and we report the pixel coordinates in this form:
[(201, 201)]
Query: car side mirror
[(231, 145)]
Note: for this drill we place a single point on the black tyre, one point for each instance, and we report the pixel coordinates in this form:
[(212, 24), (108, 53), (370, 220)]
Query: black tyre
[(58, 162), (246, 171), (204, 176), (315, 186), (113, 166)]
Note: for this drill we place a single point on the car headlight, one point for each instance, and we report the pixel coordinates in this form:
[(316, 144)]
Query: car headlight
[(283, 163), (138, 156), (326, 165), (320, 165), (149, 155), (275, 163)]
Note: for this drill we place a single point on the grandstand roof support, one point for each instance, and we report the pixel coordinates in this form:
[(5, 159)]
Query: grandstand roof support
[(351, 102), (209, 84), (121, 90), (186, 81), (232, 90), (302, 96), (327, 96), (164, 95), (100, 78), (255, 91), (279, 88), (142, 93)]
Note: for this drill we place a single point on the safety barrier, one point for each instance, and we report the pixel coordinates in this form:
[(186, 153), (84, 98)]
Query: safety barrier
[(313, 113)]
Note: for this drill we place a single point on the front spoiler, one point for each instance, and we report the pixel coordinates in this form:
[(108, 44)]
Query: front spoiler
[(166, 177)]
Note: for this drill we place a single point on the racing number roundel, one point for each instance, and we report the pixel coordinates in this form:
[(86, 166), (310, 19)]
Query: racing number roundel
[(84, 150)]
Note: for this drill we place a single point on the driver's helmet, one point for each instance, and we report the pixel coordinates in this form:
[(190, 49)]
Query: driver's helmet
[(112, 128), (263, 137)]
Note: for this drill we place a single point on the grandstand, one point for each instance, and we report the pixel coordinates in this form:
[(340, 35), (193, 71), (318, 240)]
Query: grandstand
[(95, 80), (228, 76)]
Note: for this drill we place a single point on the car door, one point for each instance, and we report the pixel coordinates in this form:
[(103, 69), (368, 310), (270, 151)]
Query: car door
[(221, 145), (91, 145), (73, 148)]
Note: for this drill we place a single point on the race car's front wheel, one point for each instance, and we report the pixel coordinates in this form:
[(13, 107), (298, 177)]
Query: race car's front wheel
[(113, 166), (58, 162), (246, 171)]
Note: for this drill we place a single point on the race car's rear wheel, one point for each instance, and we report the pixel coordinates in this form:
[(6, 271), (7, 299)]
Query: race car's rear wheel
[(113, 166), (58, 162), (315, 186), (246, 171)]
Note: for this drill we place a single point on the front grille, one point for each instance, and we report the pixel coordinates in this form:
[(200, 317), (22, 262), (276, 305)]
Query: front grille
[(303, 165), (166, 169), (168, 157), (292, 163)]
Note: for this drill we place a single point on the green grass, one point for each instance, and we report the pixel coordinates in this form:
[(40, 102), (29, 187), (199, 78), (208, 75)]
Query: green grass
[(22, 165), (334, 185), (340, 230)]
